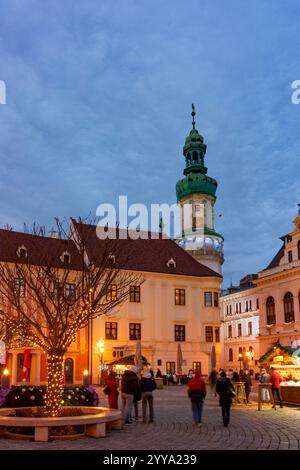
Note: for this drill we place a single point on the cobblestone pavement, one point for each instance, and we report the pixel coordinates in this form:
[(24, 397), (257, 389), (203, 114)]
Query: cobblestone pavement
[(173, 428)]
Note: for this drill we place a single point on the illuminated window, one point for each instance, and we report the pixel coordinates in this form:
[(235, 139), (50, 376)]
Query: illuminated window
[(197, 367), (111, 295), (170, 367), (179, 296), (19, 287)]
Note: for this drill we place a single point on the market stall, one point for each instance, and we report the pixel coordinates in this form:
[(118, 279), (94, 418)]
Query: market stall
[(286, 361)]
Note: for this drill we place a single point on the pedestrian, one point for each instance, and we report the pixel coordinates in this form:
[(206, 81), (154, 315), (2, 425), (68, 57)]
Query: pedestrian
[(212, 379), (225, 390), (129, 387), (136, 398), (190, 375), (235, 376), (148, 384), (246, 378), (112, 382), (197, 394), (275, 386), (265, 378), (158, 374)]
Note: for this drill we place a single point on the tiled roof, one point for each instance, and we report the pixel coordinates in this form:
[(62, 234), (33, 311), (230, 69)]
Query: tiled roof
[(41, 251), (147, 255)]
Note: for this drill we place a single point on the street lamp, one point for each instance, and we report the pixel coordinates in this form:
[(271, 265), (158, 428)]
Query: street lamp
[(99, 346), (240, 359)]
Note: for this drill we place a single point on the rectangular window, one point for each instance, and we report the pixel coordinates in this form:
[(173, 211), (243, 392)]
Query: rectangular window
[(135, 294), (239, 329), (216, 299), (217, 334), (197, 367), (250, 305), (19, 287), (179, 296), (257, 304), (230, 331), (179, 332), (170, 367), (209, 334), (111, 330), (70, 291), (135, 331), (159, 362), (111, 295), (290, 255), (208, 299), (250, 328)]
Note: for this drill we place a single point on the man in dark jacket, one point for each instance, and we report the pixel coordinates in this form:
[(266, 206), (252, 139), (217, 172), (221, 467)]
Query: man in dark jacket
[(148, 384), (246, 378), (225, 390), (129, 388)]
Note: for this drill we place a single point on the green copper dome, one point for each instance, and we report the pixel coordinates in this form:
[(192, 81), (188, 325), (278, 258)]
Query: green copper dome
[(196, 180), (196, 183)]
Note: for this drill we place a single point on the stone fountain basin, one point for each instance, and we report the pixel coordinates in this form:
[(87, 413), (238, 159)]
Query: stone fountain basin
[(95, 419)]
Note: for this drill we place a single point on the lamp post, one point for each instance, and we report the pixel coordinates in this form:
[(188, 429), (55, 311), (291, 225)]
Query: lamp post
[(99, 346), (5, 382), (240, 359)]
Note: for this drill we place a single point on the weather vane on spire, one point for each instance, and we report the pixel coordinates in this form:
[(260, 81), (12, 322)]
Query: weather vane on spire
[(193, 116)]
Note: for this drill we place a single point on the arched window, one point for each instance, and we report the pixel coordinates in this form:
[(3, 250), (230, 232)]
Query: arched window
[(288, 302), (229, 331), (271, 316), (230, 355), (188, 158), (195, 157), (247, 306), (298, 249)]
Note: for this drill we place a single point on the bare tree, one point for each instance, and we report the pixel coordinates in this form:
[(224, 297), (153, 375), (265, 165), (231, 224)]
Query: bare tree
[(45, 302)]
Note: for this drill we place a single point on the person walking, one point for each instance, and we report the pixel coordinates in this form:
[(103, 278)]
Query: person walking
[(112, 382), (275, 386), (148, 384), (265, 378), (197, 394), (246, 378), (212, 378), (225, 390), (235, 376), (129, 387)]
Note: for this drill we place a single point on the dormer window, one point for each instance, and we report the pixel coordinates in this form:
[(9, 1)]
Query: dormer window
[(22, 252), (171, 263), (65, 257)]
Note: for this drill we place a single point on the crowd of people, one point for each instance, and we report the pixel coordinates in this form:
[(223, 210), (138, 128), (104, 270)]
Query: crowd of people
[(134, 389)]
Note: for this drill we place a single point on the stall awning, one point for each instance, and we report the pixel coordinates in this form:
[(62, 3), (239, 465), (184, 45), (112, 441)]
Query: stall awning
[(127, 361)]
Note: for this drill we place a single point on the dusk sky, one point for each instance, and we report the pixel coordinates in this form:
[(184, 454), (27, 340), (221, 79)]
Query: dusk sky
[(99, 99)]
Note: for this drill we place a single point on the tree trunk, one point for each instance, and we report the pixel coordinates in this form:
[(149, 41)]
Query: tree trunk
[(54, 389)]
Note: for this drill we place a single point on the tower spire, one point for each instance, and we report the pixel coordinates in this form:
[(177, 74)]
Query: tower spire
[(193, 115), (298, 208)]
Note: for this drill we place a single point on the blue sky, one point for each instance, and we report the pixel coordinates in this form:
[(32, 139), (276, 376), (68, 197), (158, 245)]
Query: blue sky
[(98, 104)]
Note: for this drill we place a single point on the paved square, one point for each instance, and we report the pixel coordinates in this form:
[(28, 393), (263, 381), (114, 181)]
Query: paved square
[(173, 428)]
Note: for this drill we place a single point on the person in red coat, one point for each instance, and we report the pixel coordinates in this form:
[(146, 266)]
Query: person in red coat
[(197, 393), (112, 382), (275, 381)]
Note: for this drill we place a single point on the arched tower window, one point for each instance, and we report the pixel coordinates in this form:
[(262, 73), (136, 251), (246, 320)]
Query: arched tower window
[(230, 355), (195, 157), (271, 316), (188, 158), (288, 303)]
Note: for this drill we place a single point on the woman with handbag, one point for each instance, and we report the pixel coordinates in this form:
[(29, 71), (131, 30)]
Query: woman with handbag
[(112, 389), (226, 392)]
